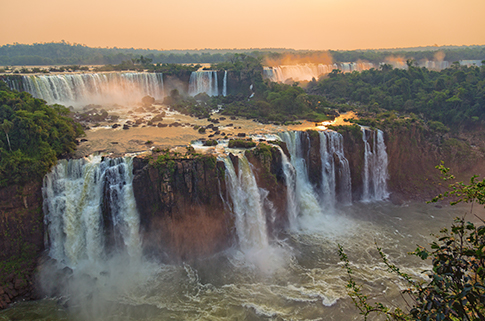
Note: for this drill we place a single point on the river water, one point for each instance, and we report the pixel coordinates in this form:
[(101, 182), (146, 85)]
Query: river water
[(300, 278)]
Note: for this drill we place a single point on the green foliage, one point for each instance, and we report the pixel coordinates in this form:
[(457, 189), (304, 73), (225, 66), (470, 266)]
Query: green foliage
[(240, 143), (33, 136), (454, 96), (456, 289)]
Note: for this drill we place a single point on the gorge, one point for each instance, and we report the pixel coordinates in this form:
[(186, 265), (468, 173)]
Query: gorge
[(224, 233)]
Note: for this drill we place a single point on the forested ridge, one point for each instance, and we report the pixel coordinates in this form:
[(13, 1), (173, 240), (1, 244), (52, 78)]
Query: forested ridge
[(32, 136), (64, 53)]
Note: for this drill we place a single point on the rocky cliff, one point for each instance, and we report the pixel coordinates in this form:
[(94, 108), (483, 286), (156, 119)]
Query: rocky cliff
[(181, 206), (21, 240)]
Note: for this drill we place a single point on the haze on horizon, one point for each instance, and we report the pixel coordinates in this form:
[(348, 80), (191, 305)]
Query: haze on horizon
[(192, 24)]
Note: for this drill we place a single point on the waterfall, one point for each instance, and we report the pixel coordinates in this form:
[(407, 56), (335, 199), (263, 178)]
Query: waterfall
[(87, 88), (224, 84), (204, 81), (247, 206), (305, 72), (374, 177), (78, 197), (336, 181), (309, 206), (293, 207)]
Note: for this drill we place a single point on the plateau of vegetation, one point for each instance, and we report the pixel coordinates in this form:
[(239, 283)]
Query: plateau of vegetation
[(32, 136)]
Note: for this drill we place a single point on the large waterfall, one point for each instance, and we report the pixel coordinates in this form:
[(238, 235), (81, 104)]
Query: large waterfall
[(90, 210), (204, 81), (104, 266), (72, 89)]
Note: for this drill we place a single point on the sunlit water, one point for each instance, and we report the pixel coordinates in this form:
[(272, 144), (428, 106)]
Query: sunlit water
[(306, 281)]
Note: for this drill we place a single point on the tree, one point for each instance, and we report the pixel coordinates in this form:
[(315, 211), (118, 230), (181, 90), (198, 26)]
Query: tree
[(456, 288)]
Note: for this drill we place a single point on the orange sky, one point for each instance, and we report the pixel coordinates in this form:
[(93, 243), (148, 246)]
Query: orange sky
[(192, 24)]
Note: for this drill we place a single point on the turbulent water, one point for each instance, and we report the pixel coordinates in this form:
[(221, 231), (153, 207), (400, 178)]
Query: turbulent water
[(98, 272), (308, 284)]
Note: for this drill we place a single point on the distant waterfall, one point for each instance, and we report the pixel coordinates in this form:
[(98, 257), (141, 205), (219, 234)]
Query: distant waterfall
[(224, 84), (375, 166), (93, 87), (336, 181), (247, 205), (204, 81), (85, 201), (305, 72)]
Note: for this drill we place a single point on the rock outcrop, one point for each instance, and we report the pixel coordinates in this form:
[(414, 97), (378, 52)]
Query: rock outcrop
[(181, 206)]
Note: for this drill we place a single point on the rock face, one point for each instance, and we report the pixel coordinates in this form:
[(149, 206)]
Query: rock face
[(185, 209), (21, 240), (267, 167), (181, 206)]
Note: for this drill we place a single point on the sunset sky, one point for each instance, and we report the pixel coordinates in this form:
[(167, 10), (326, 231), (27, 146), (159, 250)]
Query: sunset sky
[(196, 24)]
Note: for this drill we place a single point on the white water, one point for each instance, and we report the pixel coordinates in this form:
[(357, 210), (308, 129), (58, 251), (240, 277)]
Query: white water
[(375, 174), (310, 209), (224, 84), (305, 72), (332, 149), (73, 197), (204, 81), (293, 206), (94, 88)]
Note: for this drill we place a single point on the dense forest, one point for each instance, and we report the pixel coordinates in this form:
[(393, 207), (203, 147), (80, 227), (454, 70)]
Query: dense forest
[(453, 96), (32, 136), (64, 53)]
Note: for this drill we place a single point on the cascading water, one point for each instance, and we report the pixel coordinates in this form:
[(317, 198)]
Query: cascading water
[(75, 193), (302, 72), (309, 205), (375, 174), (93, 87), (224, 84), (336, 181), (204, 81), (293, 207), (247, 205)]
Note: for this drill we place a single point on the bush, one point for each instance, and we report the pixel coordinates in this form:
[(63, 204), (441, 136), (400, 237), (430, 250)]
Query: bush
[(456, 289), (240, 143)]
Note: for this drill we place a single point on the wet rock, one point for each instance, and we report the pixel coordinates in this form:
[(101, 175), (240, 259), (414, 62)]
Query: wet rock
[(125, 126), (115, 126), (156, 119)]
